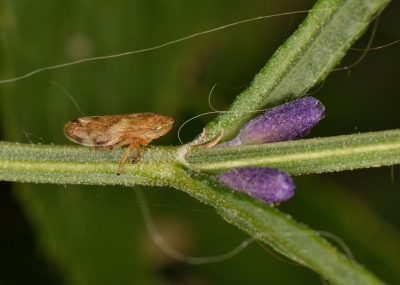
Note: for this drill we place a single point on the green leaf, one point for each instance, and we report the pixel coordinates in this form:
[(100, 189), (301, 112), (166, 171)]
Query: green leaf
[(303, 61)]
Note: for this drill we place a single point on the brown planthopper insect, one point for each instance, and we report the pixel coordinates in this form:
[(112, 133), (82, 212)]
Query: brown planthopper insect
[(108, 132)]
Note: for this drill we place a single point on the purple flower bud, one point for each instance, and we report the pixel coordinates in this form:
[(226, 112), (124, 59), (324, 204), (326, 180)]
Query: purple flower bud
[(288, 121), (269, 185)]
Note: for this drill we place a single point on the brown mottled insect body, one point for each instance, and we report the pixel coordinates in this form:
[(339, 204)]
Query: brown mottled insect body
[(108, 132)]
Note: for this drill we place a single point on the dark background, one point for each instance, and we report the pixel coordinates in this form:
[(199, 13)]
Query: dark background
[(56, 234)]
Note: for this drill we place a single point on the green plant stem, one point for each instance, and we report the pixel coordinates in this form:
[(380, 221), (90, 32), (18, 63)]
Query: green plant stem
[(304, 60), (166, 166), (80, 165), (305, 156), (281, 232)]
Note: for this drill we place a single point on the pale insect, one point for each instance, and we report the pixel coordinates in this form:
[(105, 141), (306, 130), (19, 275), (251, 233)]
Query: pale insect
[(108, 132)]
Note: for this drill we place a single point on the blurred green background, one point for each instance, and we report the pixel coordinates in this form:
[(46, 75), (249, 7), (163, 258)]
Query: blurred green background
[(71, 234)]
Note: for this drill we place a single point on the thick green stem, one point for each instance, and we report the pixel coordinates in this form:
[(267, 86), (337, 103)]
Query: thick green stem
[(306, 156), (166, 166), (285, 235), (157, 165), (304, 60)]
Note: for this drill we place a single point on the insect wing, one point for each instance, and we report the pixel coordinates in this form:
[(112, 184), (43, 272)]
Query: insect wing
[(87, 131)]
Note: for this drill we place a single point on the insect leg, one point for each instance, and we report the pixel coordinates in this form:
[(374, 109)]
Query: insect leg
[(137, 152), (142, 142), (133, 144), (122, 143)]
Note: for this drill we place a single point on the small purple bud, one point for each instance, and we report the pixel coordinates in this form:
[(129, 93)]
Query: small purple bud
[(269, 185), (288, 121)]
